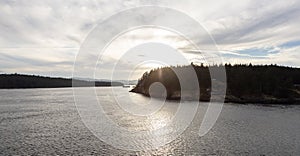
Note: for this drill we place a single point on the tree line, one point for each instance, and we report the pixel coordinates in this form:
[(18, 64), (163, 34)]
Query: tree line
[(244, 81), (10, 81)]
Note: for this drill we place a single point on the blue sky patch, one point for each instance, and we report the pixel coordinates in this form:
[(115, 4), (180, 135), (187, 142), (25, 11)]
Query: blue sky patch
[(258, 52), (241, 56), (291, 44)]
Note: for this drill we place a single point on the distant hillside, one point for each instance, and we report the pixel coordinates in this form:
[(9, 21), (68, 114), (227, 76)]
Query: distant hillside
[(245, 83), (10, 81)]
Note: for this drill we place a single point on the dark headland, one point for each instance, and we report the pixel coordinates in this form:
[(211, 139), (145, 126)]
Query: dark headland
[(264, 84), (15, 81)]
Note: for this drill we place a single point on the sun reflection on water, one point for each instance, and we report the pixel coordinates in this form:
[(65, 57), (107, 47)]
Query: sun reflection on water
[(159, 120)]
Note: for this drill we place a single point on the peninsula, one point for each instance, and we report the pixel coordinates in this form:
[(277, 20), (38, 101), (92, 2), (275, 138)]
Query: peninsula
[(265, 84)]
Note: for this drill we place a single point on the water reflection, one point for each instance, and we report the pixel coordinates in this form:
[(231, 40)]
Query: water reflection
[(159, 119), (148, 131), (46, 122)]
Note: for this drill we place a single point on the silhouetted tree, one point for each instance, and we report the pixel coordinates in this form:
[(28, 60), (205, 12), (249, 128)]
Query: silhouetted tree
[(242, 80)]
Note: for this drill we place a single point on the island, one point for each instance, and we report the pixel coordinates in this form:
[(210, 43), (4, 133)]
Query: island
[(16, 81), (262, 84)]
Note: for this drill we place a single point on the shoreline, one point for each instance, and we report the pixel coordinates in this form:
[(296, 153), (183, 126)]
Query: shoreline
[(236, 100)]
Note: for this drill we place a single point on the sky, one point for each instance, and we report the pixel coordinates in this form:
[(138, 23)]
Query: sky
[(44, 37)]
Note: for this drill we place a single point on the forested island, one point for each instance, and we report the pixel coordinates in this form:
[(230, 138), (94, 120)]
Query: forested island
[(14, 81), (266, 84)]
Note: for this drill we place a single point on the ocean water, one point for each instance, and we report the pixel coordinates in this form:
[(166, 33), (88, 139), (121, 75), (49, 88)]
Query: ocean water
[(46, 122)]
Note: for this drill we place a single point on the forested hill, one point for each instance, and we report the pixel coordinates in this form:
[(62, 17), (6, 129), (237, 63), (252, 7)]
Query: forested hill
[(10, 81), (245, 83)]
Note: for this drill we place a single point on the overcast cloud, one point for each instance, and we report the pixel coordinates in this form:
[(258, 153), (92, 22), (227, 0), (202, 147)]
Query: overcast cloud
[(44, 36)]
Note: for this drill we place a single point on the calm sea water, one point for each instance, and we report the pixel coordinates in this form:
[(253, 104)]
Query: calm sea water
[(46, 121)]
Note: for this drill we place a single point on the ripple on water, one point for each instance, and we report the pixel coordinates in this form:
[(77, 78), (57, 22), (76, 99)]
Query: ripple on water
[(46, 122)]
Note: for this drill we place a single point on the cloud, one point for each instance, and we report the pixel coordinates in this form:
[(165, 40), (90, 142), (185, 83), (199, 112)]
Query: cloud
[(193, 52), (44, 37), (260, 23)]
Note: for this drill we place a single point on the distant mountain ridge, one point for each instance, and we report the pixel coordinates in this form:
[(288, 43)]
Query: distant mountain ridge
[(14, 81), (125, 82)]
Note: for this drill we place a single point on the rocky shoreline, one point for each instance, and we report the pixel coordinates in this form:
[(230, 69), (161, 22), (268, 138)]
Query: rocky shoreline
[(232, 99)]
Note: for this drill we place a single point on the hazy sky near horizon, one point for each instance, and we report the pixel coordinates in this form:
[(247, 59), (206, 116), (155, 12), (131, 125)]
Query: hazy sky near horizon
[(44, 37)]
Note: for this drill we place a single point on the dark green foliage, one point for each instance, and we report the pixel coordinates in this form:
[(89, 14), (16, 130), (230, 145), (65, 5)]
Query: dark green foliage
[(256, 80), (9, 81), (243, 81)]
